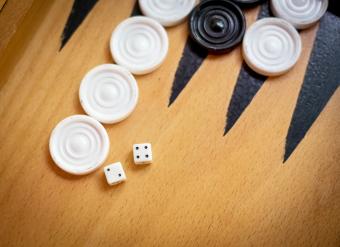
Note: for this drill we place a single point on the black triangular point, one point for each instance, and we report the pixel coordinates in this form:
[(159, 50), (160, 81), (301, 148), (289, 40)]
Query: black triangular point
[(321, 80), (136, 10), (192, 58), (247, 85), (80, 10)]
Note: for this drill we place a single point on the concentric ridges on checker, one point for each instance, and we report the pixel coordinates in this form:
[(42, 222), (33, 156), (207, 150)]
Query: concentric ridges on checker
[(108, 93), (79, 144), (167, 12), (271, 46), (300, 13), (139, 44), (217, 25)]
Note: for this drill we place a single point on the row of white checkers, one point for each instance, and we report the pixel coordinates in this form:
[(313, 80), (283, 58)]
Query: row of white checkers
[(109, 93), (272, 46)]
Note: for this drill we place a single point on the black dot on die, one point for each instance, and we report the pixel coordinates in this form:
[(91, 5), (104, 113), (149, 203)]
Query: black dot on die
[(108, 169), (137, 148), (137, 156), (146, 156), (146, 147), (119, 175)]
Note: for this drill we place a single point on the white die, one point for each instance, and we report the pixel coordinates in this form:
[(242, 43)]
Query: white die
[(114, 173), (142, 153)]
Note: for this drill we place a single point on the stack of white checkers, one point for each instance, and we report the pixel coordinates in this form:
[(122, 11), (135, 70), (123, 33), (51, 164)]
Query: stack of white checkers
[(109, 93), (272, 46)]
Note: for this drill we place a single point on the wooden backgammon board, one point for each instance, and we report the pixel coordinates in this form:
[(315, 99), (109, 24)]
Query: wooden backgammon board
[(239, 159)]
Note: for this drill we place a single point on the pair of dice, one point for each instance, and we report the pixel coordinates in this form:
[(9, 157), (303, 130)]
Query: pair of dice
[(142, 154)]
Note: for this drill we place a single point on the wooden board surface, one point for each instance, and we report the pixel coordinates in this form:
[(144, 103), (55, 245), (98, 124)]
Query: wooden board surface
[(203, 189)]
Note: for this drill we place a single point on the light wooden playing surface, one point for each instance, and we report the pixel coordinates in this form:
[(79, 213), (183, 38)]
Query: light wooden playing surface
[(203, 188)]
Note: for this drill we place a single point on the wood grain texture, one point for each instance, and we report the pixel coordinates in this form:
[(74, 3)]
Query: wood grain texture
[(203, 189), (2, 4), (11, 17)]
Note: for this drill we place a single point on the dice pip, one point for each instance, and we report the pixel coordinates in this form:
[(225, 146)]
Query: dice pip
[(142, 153), (114, 173)]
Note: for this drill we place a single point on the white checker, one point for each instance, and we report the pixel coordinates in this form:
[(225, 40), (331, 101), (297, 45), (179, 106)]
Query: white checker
[(79, 144), (142, 153), (140, 44), (108, 93), (114, 173), (271, 46), (300, 13), (167, 12)]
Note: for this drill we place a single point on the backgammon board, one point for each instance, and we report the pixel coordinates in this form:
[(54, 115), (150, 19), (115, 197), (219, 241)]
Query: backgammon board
[(239, 159)]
